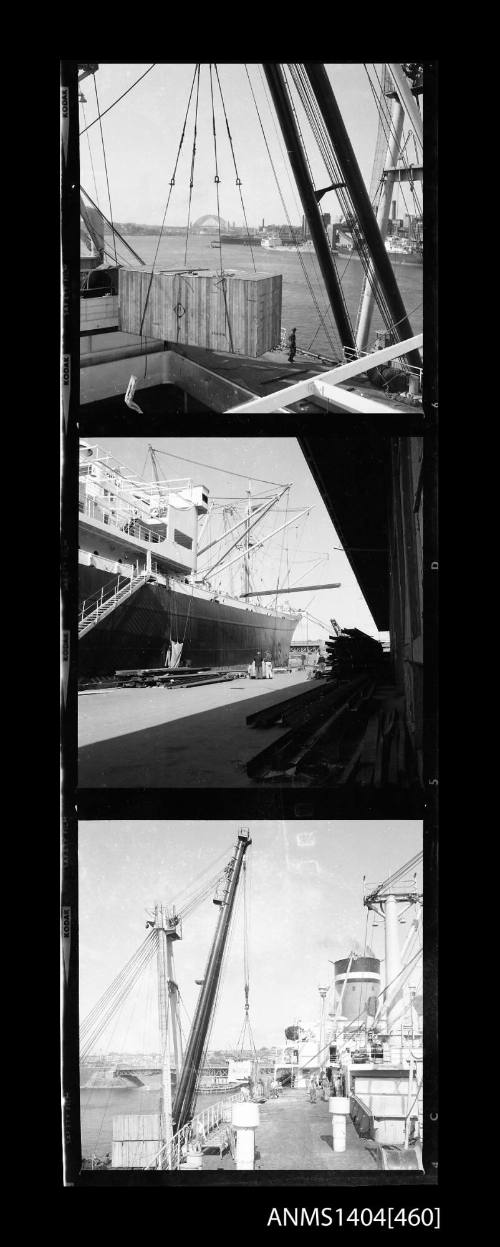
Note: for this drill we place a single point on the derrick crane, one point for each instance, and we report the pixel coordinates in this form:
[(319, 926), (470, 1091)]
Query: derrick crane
[(384, 900), (186, 1091)]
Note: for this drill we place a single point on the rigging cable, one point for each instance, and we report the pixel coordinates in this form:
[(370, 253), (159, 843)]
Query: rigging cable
[(227, 471), (292, 106), (105, 167), (389, 131), (172, 184), (223, 281), (323, 140), (322, 137), (328, 309), (193, 157), (105, 1014), (285, 209), (238, 179), (113, 987), (90, 154), (120, 97)]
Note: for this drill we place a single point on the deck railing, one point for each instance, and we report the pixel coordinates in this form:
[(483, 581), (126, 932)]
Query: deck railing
[(171, 1155), (106, 597), (129, 527)]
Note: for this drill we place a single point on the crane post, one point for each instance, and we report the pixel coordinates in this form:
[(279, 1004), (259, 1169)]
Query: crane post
[(183, 1105)]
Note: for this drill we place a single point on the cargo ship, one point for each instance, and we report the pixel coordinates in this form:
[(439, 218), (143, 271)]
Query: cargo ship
[(144, 602)]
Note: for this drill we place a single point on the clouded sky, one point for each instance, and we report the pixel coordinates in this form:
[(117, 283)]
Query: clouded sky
[(142, 135), (304, 905)]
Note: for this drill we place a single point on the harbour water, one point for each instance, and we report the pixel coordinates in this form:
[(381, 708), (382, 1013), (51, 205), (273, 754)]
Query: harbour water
[(298, 309), (98, 1106)]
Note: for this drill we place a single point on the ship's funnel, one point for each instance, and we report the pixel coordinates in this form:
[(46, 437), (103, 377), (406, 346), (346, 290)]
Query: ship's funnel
[(357, 985)]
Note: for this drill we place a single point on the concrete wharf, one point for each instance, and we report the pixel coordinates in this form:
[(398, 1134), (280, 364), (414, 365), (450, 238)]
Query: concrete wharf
[(176, 738)]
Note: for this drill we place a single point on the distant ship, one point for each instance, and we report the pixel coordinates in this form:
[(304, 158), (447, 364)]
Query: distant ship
[(400, 250), (274, 242), (243, 240)]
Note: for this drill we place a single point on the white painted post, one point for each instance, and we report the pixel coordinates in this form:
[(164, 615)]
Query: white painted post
[(245, 1119), (339, 1106)]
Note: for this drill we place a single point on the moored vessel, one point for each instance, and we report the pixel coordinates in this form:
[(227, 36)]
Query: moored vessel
[(144, 602)]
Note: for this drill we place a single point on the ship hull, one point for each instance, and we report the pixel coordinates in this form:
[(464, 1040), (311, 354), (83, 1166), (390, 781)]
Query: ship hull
[(213, 632)]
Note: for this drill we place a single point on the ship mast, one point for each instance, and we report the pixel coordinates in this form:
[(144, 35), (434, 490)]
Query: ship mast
[(167, 1014), (246, 564), (186, 1090)]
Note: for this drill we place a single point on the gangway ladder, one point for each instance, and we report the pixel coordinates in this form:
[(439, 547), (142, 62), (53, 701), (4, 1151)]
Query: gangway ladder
[(102, 603)]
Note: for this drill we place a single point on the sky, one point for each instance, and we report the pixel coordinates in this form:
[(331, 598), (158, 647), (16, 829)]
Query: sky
[(299, 547), (304, 910), (142, 134)]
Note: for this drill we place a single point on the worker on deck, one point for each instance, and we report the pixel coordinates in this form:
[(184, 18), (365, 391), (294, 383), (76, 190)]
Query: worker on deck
[(292, 346), (313, 1083)]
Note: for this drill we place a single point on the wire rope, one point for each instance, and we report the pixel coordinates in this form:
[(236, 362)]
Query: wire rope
[(120, 97), (238, 179), (172, 184), (105, 168)]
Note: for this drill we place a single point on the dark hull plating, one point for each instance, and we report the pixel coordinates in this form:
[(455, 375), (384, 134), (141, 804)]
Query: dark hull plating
[(214, 634)]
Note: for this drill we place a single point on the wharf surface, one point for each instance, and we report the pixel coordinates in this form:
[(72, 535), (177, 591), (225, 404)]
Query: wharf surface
[(176, 738), (295, 1134)]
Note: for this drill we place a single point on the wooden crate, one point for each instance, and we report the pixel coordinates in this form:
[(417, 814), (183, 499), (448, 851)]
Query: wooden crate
[(136, 1140), (99, 313), (240, 313)]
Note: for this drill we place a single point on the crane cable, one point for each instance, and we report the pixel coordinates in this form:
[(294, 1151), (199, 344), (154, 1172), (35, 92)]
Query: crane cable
[(323, 140), (285, 209), (105, 168), (292, 106), (223, 280), (389, 130), (106, 1013), (238, 179), (172, 184), (90, 150), (246, 1028), (193, 157), (334, 341), (112, 989), (120, 97)]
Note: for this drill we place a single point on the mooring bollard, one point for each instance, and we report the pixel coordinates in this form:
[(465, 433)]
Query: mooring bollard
[(339, 1108), (245, 1118)]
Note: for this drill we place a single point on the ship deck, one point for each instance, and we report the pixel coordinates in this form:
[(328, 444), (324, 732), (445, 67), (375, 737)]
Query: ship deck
[(180, 378), (180, 738), (294, 1134)]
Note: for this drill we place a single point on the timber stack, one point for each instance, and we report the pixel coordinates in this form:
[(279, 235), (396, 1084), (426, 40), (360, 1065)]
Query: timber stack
[(352, 650)]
